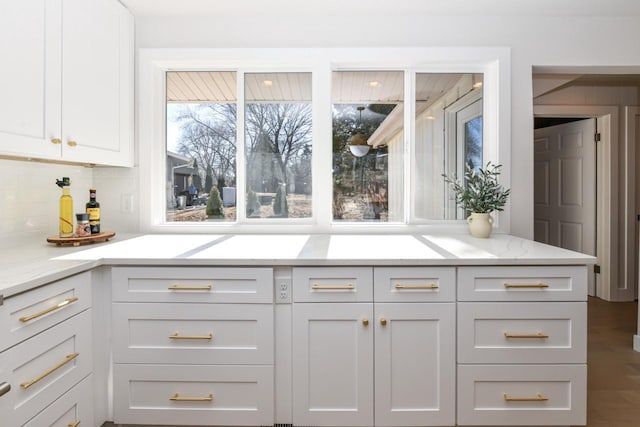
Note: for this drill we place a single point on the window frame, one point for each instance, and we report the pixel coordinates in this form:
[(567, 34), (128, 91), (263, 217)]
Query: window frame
[(494, 63)]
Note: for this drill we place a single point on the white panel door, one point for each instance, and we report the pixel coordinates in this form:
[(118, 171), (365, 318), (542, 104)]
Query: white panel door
[(30, 78), (97, 82), (565, 187), (333, 364), (415, 364)]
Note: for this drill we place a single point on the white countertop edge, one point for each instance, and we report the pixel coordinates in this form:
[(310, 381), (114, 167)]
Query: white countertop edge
[(36, 265)]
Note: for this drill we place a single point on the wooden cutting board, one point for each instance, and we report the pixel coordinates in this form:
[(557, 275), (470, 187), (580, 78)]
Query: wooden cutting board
[(105, 236)]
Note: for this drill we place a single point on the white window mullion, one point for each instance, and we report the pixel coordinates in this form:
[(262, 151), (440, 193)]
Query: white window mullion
[(409, 138), (241, 187), (322, 148)]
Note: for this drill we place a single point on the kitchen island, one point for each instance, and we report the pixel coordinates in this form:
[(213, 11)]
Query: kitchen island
[(353, 330)]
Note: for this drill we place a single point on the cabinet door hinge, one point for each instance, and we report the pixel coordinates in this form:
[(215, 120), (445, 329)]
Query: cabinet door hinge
[(596, 268), (597, 137)]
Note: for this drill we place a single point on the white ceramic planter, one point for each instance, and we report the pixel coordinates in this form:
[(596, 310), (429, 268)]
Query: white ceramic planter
[(480, 225)]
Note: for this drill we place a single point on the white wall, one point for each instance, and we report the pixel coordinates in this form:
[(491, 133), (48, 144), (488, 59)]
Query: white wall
[(29, 199), (535, 41), (547, 41)]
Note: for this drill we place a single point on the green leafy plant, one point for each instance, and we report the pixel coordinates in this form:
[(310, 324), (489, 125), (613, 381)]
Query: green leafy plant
[(480, 191), (214, 204)]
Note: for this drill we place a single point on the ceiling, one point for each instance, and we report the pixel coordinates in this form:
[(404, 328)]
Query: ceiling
[(348, 87), (384, 7)]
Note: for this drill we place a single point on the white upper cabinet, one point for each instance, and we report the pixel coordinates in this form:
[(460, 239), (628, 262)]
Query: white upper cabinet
[(68, 94)]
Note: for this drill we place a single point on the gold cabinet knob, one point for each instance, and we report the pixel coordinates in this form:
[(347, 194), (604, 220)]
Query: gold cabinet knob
[(365, 321), (383, 321), (56, 141), (72, 143)]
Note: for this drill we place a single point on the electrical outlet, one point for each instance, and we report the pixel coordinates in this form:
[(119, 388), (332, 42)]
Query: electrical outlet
[(283, 286), (283, 295), (126, 203)]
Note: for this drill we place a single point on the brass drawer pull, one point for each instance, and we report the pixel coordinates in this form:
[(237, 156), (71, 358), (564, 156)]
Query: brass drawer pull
[(538, 398), (431, 286), (49, 310), (56, 141), (333, 287), (72, 143), (67, 359), (189, 288), (176, 336), (176, 398), (383, 321), (526, 285), (76, 424), (536, 335)]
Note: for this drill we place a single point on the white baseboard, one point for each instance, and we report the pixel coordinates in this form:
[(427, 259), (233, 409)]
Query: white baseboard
[(636, 342)]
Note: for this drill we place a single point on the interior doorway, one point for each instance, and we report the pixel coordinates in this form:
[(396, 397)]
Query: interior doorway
[(565, 185)]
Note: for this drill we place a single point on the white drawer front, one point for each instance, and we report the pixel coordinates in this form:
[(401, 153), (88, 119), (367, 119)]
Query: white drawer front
[(566, 283), (44, 367), (522, 332), (184, 284), (204, 395), (522, 395), (333, 284), (74, 408), (24, 315), (414, 284), (193, 333)]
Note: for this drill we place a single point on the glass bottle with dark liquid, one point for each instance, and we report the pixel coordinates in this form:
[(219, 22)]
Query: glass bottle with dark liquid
[(93, 209)]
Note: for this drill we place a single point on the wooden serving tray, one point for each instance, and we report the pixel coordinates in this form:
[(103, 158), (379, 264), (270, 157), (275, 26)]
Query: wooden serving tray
[(105, 236)]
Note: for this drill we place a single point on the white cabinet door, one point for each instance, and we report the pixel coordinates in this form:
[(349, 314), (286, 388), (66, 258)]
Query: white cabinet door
[(415, 364), (333, 364), (97, 70), (30, 78)]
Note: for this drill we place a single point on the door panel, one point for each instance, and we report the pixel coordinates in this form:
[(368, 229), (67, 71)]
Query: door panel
[(332, 364), (565, 187)]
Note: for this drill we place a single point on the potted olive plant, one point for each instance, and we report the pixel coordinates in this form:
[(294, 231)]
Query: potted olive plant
[(480, 194)]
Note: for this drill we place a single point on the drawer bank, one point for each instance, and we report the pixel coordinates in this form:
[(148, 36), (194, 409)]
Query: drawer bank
[(398, 343)]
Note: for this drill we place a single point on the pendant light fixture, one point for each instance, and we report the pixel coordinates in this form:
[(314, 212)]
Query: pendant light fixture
[(358, 142)]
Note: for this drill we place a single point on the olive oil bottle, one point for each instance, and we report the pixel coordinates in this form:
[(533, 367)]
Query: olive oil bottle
[(93, 209), (66, 208)]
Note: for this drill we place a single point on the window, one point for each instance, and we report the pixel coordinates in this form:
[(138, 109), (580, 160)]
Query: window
[(315, 140), (201, 146), (368, 144), (278, 124), (448, 134)]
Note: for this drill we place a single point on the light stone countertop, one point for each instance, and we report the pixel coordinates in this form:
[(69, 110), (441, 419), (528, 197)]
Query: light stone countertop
[(36, 263)]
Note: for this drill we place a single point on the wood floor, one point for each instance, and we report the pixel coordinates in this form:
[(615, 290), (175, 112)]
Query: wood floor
[(613, 382)]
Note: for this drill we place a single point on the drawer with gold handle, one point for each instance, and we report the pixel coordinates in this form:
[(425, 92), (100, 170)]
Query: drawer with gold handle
[(45, 367), (172, 394), (522, 332), (332, 284), (192, 284), (504, 395), (73, 409), (184, 333), (414, 284), (522, 283), (29, 313)]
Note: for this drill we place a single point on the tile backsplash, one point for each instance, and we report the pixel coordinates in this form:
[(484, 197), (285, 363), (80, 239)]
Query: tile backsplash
[(29, 198)]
